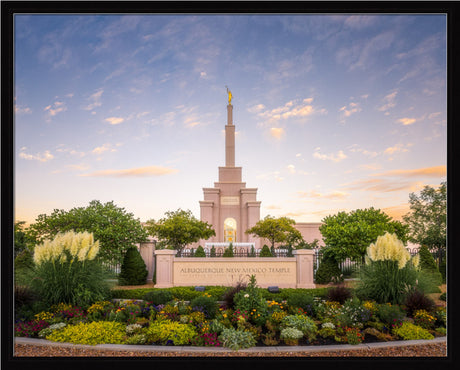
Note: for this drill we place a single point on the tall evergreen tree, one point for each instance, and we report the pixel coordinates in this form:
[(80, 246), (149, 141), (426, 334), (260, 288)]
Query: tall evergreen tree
[(133, 269)]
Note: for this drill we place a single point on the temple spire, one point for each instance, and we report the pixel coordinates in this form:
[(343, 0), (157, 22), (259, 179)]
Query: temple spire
[(229, 135)]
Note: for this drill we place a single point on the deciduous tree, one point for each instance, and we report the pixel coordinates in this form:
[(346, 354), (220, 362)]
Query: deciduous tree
[(348, 235), (114, 228), (178, 229), (276, 230), (428, 217)]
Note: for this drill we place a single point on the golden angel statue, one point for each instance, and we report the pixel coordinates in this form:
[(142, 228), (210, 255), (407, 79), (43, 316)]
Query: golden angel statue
[(229, 96)]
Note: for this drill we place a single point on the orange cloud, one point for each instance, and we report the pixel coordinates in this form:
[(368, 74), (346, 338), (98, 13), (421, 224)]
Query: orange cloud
[(436, 171), (277, 132), (133, 172), (396, 212), (315, 194)]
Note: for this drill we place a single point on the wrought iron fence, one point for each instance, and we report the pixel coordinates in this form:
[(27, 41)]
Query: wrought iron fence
[(238, 253)]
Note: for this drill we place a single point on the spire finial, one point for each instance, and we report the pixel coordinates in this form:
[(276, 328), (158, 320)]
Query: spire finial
[(229, 95)]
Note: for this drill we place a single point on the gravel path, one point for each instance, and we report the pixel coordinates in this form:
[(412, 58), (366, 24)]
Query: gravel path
[(425, 350)]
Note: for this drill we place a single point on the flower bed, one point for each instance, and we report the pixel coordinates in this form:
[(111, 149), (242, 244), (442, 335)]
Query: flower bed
[(248, 320)]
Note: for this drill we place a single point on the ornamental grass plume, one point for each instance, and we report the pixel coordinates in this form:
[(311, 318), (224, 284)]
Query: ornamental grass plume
[(389, 247), (71, 245), (66, 270)]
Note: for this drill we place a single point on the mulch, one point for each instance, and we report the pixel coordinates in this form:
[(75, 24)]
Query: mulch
[(425, 350)]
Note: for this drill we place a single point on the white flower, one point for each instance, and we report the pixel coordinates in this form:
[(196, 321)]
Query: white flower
[(246, 296)]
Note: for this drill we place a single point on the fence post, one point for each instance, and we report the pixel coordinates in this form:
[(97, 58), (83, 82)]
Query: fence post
[(164, 270), (304, 262)]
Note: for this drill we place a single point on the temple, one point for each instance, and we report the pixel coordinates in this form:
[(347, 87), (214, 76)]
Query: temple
[(230, 206)]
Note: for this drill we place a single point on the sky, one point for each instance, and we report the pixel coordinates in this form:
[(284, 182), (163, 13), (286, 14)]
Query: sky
[(333, 112)]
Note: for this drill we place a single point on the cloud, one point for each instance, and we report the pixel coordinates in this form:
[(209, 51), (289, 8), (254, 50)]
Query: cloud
[(41, 157), (396, 212), (332, 195), (383, 185), (356, 149), (96, 100), (350, 109), (133, 172), (256, 108), (291, 168), (291, 109), (55, 108), (399, 148), (436, 171), (339, 156), (407, 121), (389, 101), (103, 148), (277, 132), (114, 120), (271, 175), (22, 110)]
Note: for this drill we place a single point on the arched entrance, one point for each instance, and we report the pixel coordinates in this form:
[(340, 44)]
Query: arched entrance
[(230, 230)]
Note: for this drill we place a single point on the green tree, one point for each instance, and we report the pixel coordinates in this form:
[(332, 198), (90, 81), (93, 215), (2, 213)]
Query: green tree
[(428, 217), (228, 251), (276, 230), (22, 240), (133, 269), (114, 228), (178, 229), (200, 252), (348, 235)]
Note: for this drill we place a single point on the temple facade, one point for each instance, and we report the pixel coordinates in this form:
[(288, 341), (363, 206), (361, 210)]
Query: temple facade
[(230, 206)]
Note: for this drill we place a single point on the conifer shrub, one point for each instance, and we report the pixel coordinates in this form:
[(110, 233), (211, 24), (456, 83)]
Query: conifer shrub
[(252, 253), (133, 269), (200, 252), (272, 251), (228, 251), (328, 269), (265, 252), (213, 251), (427, 261)]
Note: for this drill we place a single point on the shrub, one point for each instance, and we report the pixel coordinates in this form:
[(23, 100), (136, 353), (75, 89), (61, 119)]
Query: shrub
[(252, 253), (207, 304), (443, 297), (291, 333), (159, 296), (390, 314), (24, 297), (167, 331), (200, 252), (427, 261), (133, 269), (328, 269), (237, 339), (265, 252), (354, 336), (213, 251), (327, 330), (228, 251), (29, 328), (389, 271), (251, 301), (353, 314), (66, 270), (47, 331), (409, 331), (301, 322), (93, 333), (417, 300), (423, 319), (304, 301), (229, 294), (339, 294)]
